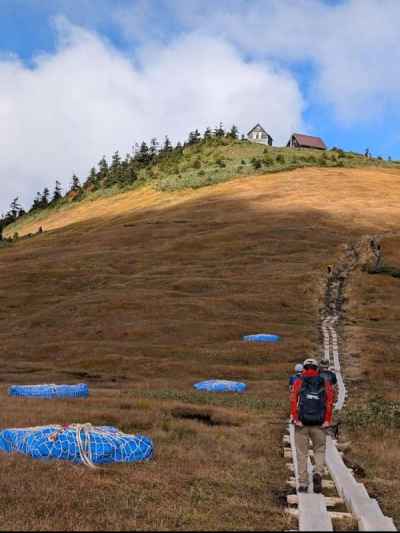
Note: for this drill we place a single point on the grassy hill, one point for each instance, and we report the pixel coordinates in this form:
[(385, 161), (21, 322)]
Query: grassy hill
[(207, 162), (145, 292)]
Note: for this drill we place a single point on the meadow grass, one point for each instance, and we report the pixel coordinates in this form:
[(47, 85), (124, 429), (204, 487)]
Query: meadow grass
[(144, 293)]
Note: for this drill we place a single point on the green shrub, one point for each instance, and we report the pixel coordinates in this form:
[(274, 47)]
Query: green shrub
[(323, 159), (377, 413), (280, 159), (256, 163), (239, 169), (221, 163), (197, 164), (201, 173), (268, 161), (243, 162)]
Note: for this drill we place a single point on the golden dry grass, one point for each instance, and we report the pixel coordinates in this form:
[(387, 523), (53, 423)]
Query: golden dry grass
[(145, 293)]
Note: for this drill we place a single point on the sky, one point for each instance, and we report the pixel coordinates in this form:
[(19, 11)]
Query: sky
[(80, 79)]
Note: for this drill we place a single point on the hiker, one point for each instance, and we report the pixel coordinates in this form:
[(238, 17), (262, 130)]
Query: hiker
[(311, 403), (377, 252), (326, 372), (298, 369)]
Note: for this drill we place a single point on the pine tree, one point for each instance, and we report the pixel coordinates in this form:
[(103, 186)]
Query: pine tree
[(75, 184), (103, 171), (167, 147), (57, 194), (154, 148), (220, 132), (234, 133), (208, 133), (44, 199), (91, 180), (115, 161), (36, 202), (115, 171), (15, 208), (143, 155), (194, 137)]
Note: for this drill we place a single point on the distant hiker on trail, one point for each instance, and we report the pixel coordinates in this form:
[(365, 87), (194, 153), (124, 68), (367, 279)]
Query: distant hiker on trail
[(311, 405), (298, 370), (377, 252)]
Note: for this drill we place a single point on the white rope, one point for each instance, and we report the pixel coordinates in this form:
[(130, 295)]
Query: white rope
[(84, 434)]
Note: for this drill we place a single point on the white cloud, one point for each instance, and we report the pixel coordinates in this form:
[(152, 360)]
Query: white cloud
[(352, 45), (88, 99)]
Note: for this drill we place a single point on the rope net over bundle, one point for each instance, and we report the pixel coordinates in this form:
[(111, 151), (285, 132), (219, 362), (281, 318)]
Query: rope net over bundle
[(50, 391), (220, 385), (78, 443)]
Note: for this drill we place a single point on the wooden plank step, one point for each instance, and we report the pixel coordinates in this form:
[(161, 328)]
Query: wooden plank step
[(326, 483), (334, 515), (330, 501), (312, 513)]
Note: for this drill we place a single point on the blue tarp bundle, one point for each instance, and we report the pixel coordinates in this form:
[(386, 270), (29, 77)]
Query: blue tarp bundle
[(78, 443), (220, 385), (50, 391), (262, 337)]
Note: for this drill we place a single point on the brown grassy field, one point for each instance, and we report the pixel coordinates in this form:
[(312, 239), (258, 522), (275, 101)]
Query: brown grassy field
[(372, 338), (145, 293)]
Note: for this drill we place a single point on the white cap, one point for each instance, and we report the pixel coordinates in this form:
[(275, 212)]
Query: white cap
[(298, 367)]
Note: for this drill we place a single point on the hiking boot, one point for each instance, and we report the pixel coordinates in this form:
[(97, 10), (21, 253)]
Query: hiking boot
[(303, 488), (317, 481)]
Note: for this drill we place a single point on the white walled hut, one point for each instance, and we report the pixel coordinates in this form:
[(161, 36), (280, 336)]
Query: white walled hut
[(259, 135)]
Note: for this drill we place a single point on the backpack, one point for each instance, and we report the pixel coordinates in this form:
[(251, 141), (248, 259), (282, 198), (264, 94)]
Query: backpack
[(312, 401)]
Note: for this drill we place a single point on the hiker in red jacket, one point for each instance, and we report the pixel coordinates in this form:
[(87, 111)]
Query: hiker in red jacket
[(311, 406)]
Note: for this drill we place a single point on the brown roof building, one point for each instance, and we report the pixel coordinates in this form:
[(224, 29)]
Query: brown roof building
[(297, 140)]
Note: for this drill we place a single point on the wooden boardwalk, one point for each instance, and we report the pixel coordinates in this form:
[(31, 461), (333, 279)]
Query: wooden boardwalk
[(312, 509)]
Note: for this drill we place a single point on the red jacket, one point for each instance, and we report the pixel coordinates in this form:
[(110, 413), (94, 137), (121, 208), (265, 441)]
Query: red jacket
[(295, 393)]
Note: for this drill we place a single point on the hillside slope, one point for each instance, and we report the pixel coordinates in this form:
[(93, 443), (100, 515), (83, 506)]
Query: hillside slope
[(143, 294)]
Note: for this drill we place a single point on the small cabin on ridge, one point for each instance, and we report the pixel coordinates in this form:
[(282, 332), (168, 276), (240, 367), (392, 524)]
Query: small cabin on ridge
[(298, 140), (259, 135)]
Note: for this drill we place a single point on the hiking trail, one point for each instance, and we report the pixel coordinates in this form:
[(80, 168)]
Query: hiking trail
[(351, 501)]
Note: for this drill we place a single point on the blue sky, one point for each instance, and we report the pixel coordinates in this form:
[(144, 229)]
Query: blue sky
[(81, 78)]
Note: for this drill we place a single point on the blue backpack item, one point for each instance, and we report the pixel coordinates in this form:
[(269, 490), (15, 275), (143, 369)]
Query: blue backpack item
[(220, 385), (50, 391), (312, 402), (78, 443), (262, 337)]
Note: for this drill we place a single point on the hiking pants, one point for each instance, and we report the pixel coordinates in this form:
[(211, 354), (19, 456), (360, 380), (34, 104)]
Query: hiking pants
[(303, 435)]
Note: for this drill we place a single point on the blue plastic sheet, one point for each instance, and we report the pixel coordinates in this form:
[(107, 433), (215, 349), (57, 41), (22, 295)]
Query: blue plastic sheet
[(262, 337), (80, 390), (220, 385), (79, 443)]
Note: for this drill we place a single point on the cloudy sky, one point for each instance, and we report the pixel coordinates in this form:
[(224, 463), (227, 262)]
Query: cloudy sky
[(82, 78)]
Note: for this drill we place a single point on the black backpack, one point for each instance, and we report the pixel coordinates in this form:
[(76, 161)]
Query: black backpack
[(312, 401)]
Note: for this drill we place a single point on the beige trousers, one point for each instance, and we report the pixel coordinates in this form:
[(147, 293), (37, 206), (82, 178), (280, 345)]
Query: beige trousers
[(303, 435)]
